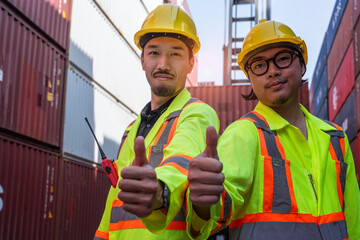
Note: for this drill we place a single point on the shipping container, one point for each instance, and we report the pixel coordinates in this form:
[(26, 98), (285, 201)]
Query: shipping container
[(311, 97), (101, 52), (28, 191), (356, 11), (127, 16), (341, 43), (357, 102), (324, 111), (346, 117), (31, 83), (343, 84), (226, 100), (51, 16), (335, 20), (304, 95), (106, 114), (320, 64), (321, 92), (357, 48), (82, 200)]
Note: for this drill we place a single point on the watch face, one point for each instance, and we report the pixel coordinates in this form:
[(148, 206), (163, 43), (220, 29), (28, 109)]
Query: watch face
[(166, 197)]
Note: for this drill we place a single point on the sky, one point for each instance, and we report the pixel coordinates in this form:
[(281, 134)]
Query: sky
[(309, 19)]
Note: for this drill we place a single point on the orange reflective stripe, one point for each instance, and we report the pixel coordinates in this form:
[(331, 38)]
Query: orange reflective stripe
[(217, 228), (294, 206), (130, 224), (197, 101), (249, 119), (101, 234), (332, 217), (268, 185), (178, 167), (133, 224), (261, 117), (280, 147), (172, 130), (161, 132), (264, 150), (288, 217), (117, 203), (338, 172)]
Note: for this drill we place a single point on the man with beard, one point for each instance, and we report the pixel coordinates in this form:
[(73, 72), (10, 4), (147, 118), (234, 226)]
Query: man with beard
[(154, 156), (288, 174)]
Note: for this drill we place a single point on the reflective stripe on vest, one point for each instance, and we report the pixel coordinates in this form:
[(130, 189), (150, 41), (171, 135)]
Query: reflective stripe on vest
[(120, 219), (100, 235), (280, 218), (337, 151), (123, 138), (156, 152), (225, 212)]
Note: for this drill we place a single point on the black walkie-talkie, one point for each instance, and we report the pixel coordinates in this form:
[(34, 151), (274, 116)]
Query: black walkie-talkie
[(106, 163)]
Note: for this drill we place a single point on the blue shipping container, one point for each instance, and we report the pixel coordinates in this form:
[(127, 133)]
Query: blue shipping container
[(335, 20), (324, 111), (346, 117), (320, 93), (321, 63)]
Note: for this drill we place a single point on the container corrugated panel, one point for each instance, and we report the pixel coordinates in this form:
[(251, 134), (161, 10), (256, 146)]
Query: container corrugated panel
[(31, 83), (357, 102), (321, 92), (346, 117), (82, 200), (102, 53), (335, 20), (28, 191), (324, 111), (128, 16), (356, 11), (320, 64), (108, 118), (340, 44), (52, 16), (343, 84), (226, 100), (357, 48)]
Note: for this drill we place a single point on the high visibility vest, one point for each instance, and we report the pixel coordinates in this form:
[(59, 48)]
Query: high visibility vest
[(280, 218), (126, 225)]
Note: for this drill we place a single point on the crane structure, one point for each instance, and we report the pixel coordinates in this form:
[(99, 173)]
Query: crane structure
[(240, 17)]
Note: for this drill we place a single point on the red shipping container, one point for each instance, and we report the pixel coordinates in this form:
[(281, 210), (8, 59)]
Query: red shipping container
[(31, 82), (343, 84), (226, 100), (28, 191), (340, 44), (52, 16), (357, 48), (357, 102), (356, 11), (84, 190)]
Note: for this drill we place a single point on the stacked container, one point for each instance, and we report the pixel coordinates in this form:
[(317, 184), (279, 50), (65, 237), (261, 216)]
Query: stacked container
[(229, 103), (33, 59), (337, 88)]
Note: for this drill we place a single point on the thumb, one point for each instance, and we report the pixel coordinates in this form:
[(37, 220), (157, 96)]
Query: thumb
[(211, 142), (140, 152)]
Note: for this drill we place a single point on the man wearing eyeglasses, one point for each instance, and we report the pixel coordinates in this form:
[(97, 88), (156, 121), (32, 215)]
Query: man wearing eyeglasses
[(288, 174)]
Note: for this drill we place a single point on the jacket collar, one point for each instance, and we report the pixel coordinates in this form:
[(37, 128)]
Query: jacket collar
[(277, 122)]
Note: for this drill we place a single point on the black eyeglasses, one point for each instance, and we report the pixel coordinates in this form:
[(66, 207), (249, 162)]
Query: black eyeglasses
[(281, 60)]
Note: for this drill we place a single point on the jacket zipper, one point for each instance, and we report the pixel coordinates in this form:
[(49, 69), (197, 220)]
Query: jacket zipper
[(312, 184)]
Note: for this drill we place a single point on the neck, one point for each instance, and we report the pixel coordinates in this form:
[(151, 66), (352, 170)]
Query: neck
[(158, 101), (294, 115)]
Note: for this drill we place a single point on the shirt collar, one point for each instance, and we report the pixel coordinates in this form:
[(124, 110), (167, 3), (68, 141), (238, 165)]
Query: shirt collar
[(277, 122)]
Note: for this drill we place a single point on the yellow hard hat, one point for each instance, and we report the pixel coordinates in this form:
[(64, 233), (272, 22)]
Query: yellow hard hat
[(172, 20), (269, 34)]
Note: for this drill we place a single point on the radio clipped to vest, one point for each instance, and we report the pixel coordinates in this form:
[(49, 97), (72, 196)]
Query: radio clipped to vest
[(106, 163)]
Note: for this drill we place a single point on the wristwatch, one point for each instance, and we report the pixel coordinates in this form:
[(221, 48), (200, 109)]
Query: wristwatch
[(166, 196)]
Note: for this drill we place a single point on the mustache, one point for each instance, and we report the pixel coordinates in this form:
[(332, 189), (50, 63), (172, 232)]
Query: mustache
[(272, 83), (163, 73)]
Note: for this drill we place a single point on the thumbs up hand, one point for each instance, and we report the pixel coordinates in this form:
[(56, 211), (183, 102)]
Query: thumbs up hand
[(205, 176), (140, 190)]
